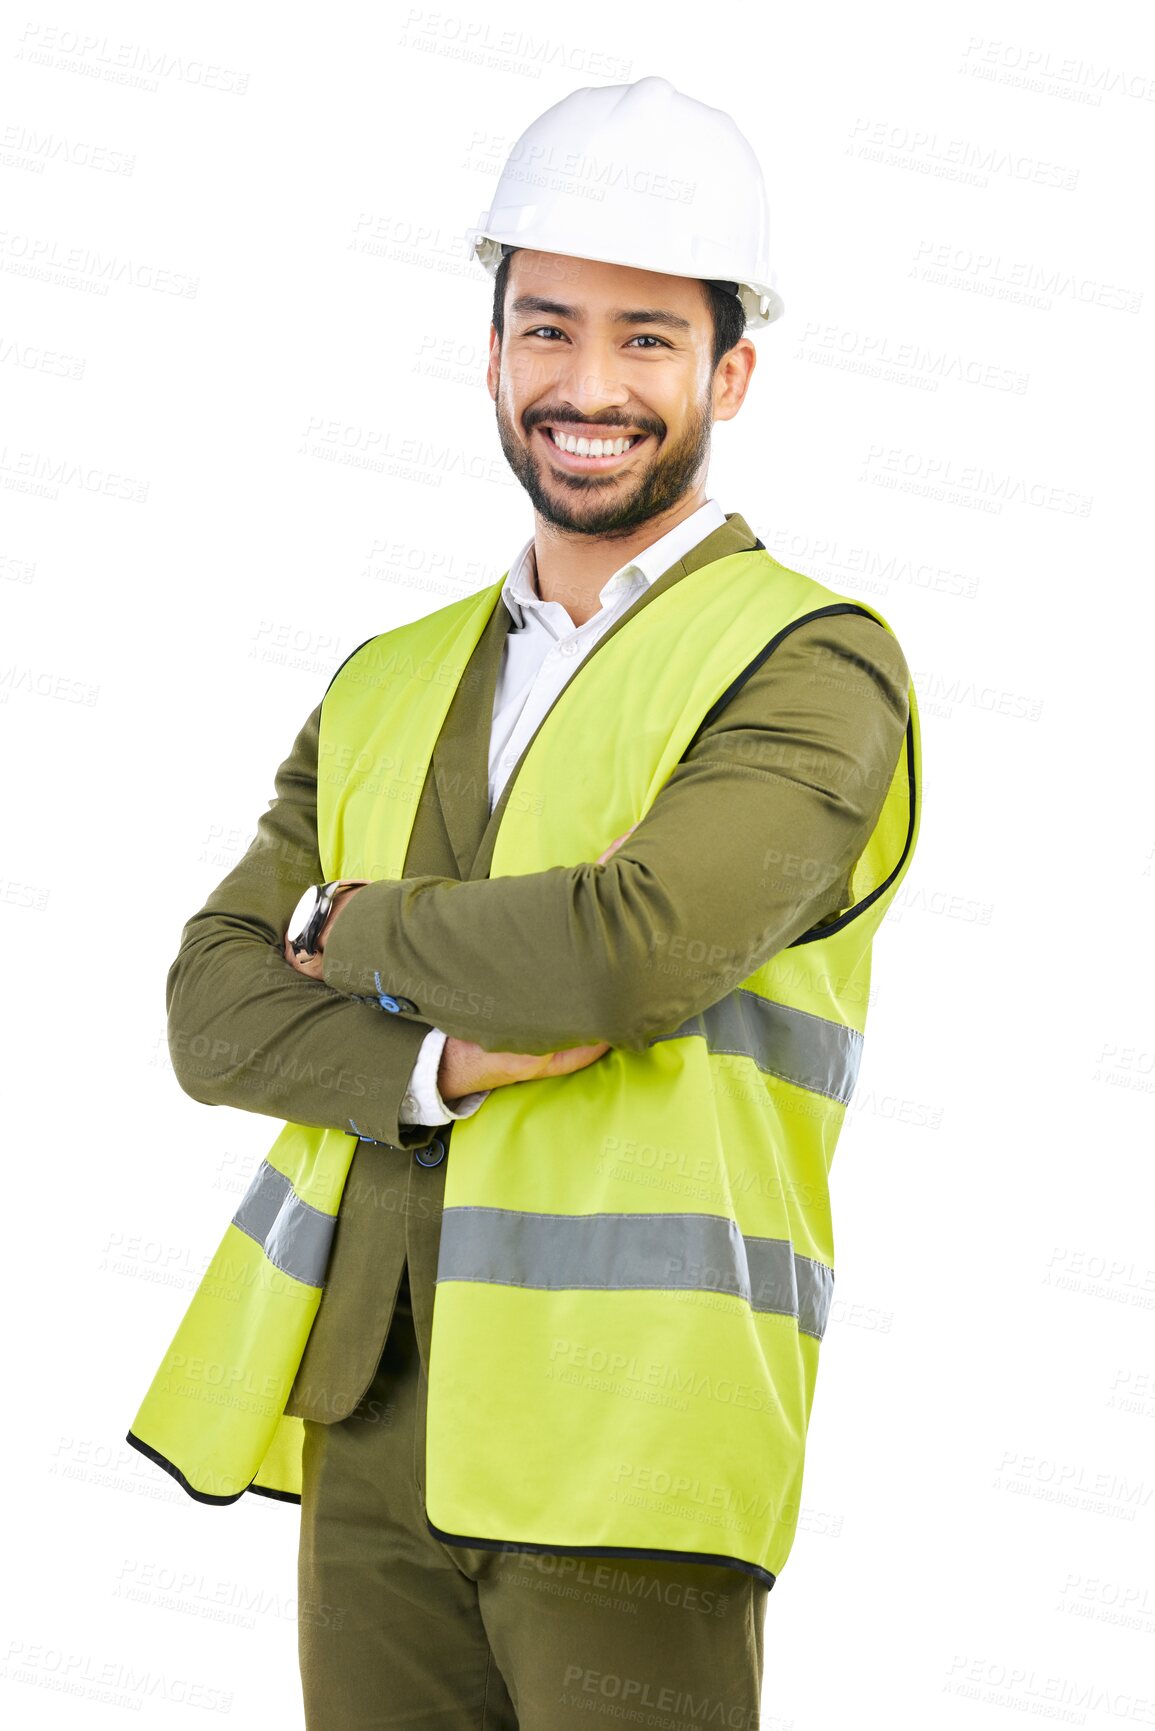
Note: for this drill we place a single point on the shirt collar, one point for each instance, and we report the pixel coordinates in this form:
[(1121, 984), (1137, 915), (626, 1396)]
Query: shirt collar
[(519, 594)]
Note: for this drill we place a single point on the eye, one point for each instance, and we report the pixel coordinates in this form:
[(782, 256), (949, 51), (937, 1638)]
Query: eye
[(642, 337)]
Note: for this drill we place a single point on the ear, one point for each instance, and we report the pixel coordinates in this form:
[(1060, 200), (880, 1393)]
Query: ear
[(732, 379)]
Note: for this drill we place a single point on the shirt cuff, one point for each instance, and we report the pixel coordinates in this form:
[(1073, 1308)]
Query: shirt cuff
[(422, 1103)]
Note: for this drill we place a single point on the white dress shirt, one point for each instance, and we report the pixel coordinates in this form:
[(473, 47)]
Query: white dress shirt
[(543, 650)]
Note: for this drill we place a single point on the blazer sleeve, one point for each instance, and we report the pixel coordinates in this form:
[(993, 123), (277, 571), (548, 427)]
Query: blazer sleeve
[(749, 844), (245, 1029)]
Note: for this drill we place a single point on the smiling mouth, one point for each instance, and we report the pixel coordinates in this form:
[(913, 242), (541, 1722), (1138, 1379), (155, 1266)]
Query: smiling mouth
[(589, 453)]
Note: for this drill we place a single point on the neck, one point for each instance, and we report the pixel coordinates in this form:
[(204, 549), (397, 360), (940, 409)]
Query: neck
[(573, 568)]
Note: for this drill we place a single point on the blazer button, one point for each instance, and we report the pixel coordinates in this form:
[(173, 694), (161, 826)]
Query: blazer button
[(394, 1004), (432, 1155)]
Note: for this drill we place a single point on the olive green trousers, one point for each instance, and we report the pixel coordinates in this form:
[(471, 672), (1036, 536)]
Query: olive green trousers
[(397, 1628)]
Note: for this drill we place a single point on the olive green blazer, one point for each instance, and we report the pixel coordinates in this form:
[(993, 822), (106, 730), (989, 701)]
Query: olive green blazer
[(750, 843)]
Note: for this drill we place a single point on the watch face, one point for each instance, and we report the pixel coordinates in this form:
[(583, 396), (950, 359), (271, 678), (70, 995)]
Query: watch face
[(302, 914)]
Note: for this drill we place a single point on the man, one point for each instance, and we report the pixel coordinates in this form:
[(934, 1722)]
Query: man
[(603, 850)]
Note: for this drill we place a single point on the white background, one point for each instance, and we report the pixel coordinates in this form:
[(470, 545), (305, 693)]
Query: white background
[(952, 422)]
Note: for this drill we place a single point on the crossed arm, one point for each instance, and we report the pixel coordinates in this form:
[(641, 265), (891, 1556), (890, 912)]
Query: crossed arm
[(750, 843)]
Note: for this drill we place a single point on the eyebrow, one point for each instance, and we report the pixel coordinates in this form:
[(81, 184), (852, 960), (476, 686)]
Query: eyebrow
[(635, 316)]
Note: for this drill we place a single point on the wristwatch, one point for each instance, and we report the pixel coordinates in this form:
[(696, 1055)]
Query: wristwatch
[(312, 911)]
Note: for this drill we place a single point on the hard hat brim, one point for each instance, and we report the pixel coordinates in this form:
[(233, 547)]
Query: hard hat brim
[(761, 301)]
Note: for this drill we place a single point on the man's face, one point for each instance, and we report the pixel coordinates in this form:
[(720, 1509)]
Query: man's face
[(603, 351)]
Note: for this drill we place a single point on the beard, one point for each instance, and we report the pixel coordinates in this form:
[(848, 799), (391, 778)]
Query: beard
[(604, 505)]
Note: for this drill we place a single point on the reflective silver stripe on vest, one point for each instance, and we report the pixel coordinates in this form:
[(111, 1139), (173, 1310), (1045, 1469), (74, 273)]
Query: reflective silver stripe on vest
[(807, 1050), (617, 1252), (293, 1234)]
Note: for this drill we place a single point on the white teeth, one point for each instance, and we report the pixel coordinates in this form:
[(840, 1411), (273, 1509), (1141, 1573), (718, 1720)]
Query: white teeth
[(589, 447)]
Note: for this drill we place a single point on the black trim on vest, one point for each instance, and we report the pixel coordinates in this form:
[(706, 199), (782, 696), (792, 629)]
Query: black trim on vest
[(825, 931), (715, 1557), (162, 1461), (736, 685), (278, 1496), (817, 932)]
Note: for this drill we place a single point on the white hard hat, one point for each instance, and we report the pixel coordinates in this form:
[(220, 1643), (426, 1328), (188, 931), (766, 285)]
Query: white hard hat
[(638, 174)]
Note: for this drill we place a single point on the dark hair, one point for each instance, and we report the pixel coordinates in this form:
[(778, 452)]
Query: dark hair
[(728, 312)]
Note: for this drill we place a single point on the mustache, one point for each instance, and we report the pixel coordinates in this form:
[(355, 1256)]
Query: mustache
[(623, 423)]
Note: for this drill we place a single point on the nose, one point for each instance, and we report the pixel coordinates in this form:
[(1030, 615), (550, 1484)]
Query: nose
[(588, 379)]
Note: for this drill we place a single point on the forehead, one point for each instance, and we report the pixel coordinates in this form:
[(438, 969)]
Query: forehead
[(591, 290)]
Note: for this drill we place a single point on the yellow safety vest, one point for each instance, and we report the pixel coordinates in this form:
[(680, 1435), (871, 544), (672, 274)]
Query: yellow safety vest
[(636, 1260)]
